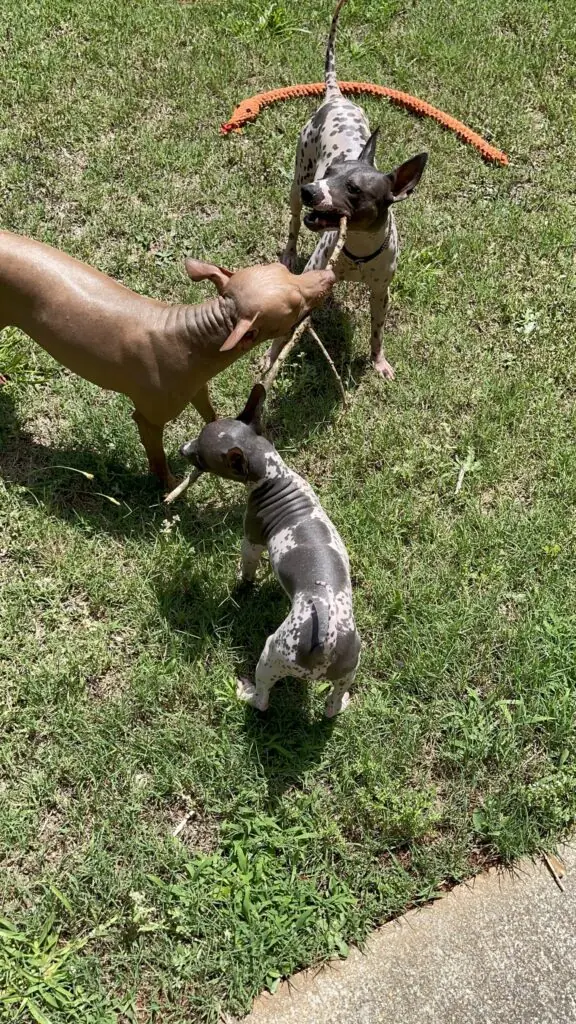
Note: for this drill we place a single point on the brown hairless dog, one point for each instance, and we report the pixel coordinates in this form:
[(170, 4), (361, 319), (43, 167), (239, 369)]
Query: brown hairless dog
[(160, 355)]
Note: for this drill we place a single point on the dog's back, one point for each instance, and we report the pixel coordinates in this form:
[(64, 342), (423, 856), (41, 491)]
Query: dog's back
[(318, 637), (336, 176), (337, 129)]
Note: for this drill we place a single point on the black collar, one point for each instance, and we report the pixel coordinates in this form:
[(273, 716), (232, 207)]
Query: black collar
[(364, 259)]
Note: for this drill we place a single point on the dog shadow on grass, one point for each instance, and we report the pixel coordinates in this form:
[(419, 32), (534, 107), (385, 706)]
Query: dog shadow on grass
[(96, 490), (287, 740)]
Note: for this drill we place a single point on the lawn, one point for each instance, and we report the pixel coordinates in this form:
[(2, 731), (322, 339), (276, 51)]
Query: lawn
[(121, 626)]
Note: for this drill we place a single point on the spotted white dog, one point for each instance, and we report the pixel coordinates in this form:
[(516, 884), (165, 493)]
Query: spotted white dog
[(318, 638), (335, 176)]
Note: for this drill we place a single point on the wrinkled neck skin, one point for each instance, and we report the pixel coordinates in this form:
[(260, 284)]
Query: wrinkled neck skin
[(277, 497), (207, 325), (363, 243)]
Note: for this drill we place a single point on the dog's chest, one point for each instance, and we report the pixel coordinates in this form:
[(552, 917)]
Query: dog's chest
[(375, 271), (371, 269)]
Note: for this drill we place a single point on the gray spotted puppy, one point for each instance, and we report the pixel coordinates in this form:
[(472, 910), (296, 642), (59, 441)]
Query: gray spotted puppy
[(336, 176), (318, 638)]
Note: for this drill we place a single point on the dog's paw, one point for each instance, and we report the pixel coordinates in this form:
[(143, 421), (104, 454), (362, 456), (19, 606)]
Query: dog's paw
[(246, 691), (383, 368), (335, 705), (168, 483)]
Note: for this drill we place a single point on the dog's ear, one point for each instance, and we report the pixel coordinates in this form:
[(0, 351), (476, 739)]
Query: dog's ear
[(405, 177), (199, 271), (243, 332), (368, 154), (237, 461), (252, 412)]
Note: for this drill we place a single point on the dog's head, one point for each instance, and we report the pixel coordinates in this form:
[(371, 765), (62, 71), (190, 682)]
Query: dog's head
[(357, 190), (267, 301), (232, 448)]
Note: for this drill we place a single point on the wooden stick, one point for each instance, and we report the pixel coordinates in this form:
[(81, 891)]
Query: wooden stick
[(269, 377), (182, 824), (340, 242), (555, 874), (182, 486), (330, 362)]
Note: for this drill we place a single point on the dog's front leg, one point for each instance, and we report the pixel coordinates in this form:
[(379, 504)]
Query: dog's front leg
[(379, 302), (152, 435), (269, 358), (202, 403), (289, 254), (339, 696), (250, 554)]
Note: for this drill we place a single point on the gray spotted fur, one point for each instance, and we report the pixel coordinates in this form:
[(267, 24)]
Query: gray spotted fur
[(332, 151), (318, 638)]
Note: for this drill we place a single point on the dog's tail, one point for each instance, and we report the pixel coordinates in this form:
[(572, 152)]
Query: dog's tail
[(332, 87), (322, 615)]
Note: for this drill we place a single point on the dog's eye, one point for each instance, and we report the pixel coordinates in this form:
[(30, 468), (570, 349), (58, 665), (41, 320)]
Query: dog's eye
[(353, 189)]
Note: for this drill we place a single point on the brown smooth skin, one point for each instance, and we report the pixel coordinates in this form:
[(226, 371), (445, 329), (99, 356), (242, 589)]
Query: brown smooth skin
[(161, 356)]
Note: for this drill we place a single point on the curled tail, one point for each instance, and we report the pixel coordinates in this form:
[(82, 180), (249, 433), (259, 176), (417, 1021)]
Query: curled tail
[(332, 87)]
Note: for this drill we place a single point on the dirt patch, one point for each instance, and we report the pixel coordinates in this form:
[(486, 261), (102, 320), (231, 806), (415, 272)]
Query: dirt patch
[(197, 832), (519, 491), (107, 686), (53, 837)]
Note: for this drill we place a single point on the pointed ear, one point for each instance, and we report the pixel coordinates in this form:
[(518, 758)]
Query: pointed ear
[(198, 271), (405, 178), (242, 332), (251, 412), (237, 461), (368, 154)]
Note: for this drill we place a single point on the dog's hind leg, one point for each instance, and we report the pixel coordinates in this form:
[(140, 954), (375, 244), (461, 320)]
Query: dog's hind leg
[(152, 437), (339, 696), (270, 668)]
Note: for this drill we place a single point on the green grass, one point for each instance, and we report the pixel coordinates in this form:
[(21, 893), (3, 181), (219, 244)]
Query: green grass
[(121, 629)]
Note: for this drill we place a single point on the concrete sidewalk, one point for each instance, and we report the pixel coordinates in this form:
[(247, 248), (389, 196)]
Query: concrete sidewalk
[(500, 950)]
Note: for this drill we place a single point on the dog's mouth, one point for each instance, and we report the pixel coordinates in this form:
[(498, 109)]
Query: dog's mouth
[(190, 453), (322, 220)]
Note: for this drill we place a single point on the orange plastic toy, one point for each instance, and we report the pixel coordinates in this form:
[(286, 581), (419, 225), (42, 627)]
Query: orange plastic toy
[(250, 108)]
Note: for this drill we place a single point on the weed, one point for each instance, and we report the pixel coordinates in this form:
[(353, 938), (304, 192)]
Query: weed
[(37, 981)]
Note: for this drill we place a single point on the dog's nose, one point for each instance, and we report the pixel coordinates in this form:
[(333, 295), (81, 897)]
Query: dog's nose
[(307, 193), (188, 449)]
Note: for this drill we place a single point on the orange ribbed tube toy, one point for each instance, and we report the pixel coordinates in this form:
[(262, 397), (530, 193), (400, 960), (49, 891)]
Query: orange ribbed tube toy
[(250, 108)]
